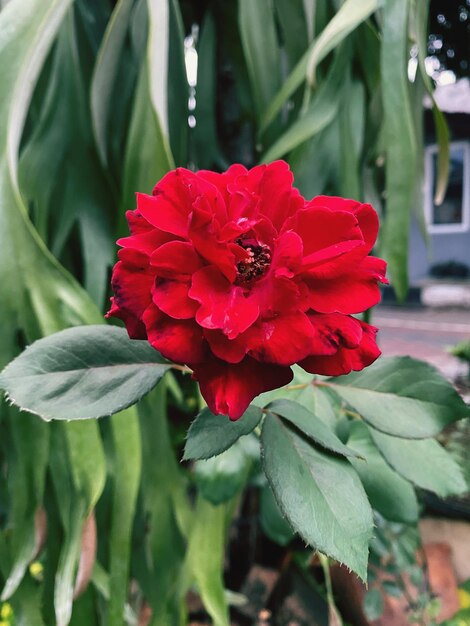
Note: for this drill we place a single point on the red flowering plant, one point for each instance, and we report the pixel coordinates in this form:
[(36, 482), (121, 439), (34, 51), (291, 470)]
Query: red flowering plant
[(239, 277), (236, 277)]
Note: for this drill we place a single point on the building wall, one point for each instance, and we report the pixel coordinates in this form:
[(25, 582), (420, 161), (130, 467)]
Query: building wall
[(442, 247)]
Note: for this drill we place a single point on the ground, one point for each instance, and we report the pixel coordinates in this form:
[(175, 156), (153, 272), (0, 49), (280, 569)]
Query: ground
[(424, 333)]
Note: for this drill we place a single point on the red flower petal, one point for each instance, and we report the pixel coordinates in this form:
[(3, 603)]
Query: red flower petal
[(322, 228), (146, 241), (287, 256), (228, 389), (272, 183), (283, 340), (204, 235), (132, 285), (332, 331), (176, 259), (230, 350), (346, 359), (351, 292), (223, 305), (171, 297), (221, 181), (278, 295), (364, 213), (135, 328), (170, 206), (181, 341), (137, 223), (169, 214)]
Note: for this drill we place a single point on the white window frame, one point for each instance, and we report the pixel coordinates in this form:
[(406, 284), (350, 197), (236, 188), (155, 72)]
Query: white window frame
[(464, 225)]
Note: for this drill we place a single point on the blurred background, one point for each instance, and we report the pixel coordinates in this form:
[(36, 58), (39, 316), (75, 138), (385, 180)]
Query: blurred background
[(98, 100)]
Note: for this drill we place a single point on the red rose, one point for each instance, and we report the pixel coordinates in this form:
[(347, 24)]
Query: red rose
[(239, 277)]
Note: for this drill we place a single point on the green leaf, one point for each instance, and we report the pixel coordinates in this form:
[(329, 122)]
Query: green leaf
[(210, 434), (392, 589), (351, 126), (221, 477), (105, 73), (26, 604), (87, 460), (261, 52), (403, 397), (321, 111), (205, 558), (373, 604), (347, 18), (69, 554), (399, 140), (60, 173), (424, 463), (82, 372), (78, 471), (147, 156), (389, 494), (350, 15), (37, 294), (177, 84), (316, 163), (127, 460), (27, 468), (207, 149), (310, 425), (72, 507), (273, 523), (320, 494), (293, 24), (166, 518)]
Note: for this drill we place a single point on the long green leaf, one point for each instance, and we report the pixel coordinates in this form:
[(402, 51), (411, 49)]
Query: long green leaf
[(207, 148), (351, 127), (400, 143), (127, 460), (294, 27), (148, 155), (37, 294), (159, 564), (27, 469), (205, 558), (177, 86), (349, 16), (261, 52), (157, 55), (69, 554), (87, 461), (322, 110), (105, 73), (26, 604), (79, 193)]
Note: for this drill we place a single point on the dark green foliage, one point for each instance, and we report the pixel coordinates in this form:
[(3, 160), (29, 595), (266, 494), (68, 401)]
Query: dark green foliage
[(94, 107)]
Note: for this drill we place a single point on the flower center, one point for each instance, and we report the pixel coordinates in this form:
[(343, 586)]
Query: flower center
[(256, 265)]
